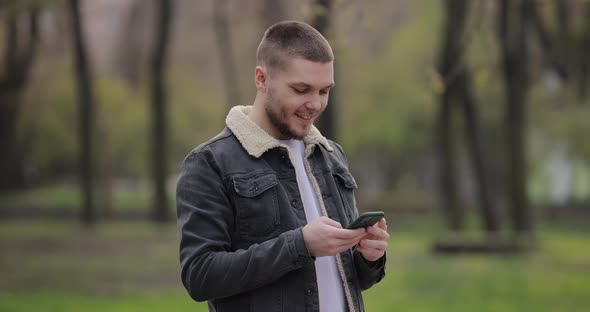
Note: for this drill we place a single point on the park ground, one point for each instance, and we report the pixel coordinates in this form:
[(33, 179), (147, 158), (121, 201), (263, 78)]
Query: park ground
[(59, 265)]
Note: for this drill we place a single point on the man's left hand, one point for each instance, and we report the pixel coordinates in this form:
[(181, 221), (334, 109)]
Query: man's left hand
[(373, 246)]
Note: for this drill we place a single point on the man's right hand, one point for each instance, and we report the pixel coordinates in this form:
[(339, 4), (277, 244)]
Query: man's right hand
[(326, 237)]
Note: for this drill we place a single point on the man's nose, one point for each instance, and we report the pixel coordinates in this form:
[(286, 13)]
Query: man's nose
[(315, 102)]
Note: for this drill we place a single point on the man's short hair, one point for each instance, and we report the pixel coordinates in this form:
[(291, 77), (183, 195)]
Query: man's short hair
[(291, 39)]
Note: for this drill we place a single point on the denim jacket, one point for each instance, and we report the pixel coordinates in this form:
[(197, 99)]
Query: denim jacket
[(240, 218)]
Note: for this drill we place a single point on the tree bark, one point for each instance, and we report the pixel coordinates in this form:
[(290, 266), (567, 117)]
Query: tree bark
[(87, 116), (18, 59), (159, 126), (226, 58), (512, 23)]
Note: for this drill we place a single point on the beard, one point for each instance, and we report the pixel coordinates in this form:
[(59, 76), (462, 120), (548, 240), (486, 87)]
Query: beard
[(278, 117)]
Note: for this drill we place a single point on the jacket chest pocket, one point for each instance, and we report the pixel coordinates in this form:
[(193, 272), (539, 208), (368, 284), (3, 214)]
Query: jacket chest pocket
[(346, 186), (256, 205)]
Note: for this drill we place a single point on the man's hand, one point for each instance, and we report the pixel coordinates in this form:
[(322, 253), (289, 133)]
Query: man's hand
[(326, 237), (373, 246)]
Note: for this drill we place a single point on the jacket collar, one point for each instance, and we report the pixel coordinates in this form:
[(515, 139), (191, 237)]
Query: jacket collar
[(256, 141)]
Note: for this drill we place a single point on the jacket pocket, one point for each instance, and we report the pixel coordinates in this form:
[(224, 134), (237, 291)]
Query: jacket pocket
[(346, 186), (256, 204)]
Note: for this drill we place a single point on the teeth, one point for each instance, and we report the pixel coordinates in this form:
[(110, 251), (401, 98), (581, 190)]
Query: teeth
[(306, 117)]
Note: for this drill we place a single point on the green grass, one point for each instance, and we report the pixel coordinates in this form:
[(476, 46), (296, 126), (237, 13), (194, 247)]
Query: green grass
[(122, 266), (63, 199), (48, 196)]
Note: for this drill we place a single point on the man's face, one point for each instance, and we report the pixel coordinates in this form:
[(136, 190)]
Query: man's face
[(297, 95)]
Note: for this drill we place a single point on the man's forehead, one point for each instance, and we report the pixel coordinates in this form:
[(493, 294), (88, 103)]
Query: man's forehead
[(301, 71)]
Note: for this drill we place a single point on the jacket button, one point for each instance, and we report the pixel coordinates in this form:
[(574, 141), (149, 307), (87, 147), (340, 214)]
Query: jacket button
[(324, 196), (308, 291), (255, 186), (294, 203)]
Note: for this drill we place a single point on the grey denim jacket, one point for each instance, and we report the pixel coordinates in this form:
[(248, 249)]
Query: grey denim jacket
[(240, 218)]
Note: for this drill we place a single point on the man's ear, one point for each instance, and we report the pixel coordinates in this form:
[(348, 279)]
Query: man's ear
[(261, 78)]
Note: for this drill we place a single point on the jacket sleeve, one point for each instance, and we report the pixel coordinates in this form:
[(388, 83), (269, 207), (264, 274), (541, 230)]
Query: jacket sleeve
[(209, 268), (368, 273)]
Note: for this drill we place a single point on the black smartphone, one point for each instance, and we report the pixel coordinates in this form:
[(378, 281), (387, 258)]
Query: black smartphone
[(366, 219)]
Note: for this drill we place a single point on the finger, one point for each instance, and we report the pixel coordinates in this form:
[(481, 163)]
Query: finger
[(370, 254), (378, 233), (348, 245), (373, 244), (330, 222), (349, 234), (382, 224), (342, 247)]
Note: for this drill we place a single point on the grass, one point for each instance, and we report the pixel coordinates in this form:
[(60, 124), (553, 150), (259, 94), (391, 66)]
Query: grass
[(133, 266), (65, 199), (48, 196)]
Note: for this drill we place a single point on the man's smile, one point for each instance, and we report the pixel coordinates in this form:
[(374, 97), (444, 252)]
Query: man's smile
[(305, 116)]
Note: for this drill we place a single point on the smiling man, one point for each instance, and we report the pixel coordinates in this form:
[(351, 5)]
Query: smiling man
[(263, 206)]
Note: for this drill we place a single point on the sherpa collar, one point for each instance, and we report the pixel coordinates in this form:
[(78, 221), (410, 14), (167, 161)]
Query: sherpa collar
[(256, 141)]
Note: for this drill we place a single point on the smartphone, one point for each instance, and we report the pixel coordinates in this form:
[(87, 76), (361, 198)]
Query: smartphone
[(366, 219)]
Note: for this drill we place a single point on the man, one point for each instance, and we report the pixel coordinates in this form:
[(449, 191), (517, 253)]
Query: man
[(263, 206)]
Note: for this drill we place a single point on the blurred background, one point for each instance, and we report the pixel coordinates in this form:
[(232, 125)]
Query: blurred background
[(465, 121)]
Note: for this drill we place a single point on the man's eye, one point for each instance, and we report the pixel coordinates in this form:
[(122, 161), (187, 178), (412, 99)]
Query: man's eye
[(300, 91), (324, 92)]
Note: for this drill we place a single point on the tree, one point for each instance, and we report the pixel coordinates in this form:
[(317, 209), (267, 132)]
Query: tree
[(448, 64), (18, 59), (132, 43), (566, 51), (159, 125), (585, 51), (220, 18), (321, 21), (458, 90), (512, 23), (87, 114)]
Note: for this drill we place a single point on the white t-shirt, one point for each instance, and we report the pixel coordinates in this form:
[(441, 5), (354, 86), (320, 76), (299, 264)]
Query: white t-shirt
[(330, 289)]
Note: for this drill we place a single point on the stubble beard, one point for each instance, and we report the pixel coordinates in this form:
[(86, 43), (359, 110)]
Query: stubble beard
[(278, 118)]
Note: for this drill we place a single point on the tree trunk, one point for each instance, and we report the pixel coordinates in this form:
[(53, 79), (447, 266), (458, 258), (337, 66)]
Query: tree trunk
[(474, 139), (159, 126), (321, 22), (448, 180), (104, 174), (18, 60), (563, 18), (552, 50), (585, 55), (457, 88), (512, 23), (226, 59), (86, 120), (447, 67), (132, 44)]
